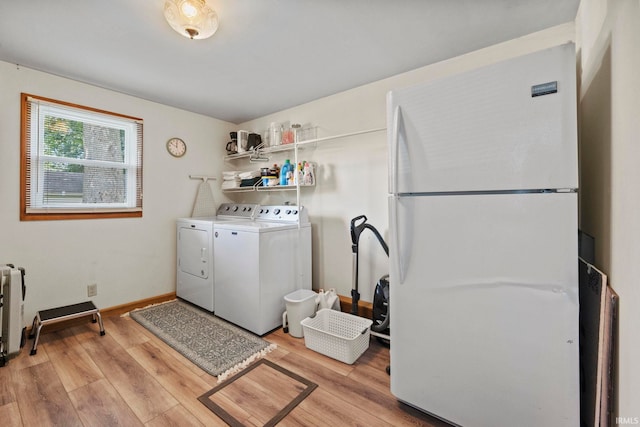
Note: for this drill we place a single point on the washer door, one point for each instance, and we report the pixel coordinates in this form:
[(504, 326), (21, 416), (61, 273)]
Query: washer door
[(193, 248)]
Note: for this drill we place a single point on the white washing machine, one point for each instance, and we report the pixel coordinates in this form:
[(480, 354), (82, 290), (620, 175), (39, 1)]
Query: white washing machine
[(195, 266), (258, 262)]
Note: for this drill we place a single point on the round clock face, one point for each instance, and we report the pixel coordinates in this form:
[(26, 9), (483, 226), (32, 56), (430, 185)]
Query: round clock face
[(176, 147)]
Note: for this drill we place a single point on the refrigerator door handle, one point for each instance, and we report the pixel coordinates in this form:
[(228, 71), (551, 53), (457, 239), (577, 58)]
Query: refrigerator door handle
[(393, 170), (394, 252)]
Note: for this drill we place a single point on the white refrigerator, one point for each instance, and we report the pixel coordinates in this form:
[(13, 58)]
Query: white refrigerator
[(483, 177)]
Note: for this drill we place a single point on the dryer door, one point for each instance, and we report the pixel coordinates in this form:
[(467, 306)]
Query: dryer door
[(193, 251)]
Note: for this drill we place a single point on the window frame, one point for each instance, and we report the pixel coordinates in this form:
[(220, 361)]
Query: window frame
[(29, 135)]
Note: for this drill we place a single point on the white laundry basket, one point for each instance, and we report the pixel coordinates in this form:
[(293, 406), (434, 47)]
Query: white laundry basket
[(339, 335), (300, 304)]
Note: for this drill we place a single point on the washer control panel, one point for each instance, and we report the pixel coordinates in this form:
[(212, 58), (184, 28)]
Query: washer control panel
[(238, 210), (283, 213)]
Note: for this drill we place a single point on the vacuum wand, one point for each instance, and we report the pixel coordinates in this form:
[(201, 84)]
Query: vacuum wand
[(355, 295)]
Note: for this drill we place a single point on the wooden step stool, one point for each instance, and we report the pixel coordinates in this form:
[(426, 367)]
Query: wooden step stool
[(59, 314)]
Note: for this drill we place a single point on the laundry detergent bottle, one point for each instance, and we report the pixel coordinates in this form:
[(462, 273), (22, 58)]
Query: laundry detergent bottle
[(284, 170)]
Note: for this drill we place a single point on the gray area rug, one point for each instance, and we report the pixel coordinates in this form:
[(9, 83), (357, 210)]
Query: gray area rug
[(216, 346)]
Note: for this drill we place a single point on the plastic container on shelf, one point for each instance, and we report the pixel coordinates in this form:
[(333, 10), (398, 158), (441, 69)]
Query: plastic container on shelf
[(284, 170), (296, 128), (288, 136), (308, 177), (297, 177), (270, 181), (275, 134), (306, 133)]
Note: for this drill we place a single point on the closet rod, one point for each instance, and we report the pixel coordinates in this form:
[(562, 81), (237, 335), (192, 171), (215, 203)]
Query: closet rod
[(344, 135)]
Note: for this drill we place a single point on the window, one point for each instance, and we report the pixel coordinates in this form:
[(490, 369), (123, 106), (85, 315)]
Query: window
[(78, 162)]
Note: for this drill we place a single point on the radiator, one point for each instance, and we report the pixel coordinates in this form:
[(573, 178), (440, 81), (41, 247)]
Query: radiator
[(12, 306)]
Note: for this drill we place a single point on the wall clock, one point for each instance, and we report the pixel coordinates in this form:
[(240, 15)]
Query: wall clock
[(176, 147)]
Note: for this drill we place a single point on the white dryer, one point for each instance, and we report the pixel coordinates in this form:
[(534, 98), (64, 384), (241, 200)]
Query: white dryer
[(195, 266), (258, 262)]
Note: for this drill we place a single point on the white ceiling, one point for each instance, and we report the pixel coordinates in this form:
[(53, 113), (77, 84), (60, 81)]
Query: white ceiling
[(268, 55)]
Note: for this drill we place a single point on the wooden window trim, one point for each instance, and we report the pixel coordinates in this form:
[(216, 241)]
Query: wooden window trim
[(24, 141)]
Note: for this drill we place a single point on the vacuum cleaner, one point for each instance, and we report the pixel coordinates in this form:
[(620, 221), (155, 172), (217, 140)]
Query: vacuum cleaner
[(381, 315)]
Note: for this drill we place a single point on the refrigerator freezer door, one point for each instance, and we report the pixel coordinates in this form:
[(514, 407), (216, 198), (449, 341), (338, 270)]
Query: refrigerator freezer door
[(484, 303), (484, 130)]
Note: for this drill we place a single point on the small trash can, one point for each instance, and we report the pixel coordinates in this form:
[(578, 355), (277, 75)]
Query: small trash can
[(300, 304)]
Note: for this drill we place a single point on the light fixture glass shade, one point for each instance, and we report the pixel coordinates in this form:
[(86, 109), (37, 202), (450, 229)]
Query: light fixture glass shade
[(191, 18)]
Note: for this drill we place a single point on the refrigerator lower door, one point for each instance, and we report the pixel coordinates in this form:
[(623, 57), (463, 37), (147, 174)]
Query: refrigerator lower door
[(484, 307)]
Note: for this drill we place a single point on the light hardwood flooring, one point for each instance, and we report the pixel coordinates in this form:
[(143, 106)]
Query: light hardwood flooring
[(129, 377)]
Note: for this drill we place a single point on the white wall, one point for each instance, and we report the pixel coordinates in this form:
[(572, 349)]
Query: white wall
[(129, 259), (609, 37), (352, 178)]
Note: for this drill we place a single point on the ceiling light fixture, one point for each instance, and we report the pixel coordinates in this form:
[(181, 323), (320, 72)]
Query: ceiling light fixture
[(191, 18)]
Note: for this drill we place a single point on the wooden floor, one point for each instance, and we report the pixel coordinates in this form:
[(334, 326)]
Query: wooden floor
[(131, 378)]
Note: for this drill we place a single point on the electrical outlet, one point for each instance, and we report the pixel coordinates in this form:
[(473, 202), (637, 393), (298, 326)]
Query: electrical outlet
[(92, 290)]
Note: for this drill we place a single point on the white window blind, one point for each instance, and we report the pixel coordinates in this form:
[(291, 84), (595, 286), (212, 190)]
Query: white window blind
[(79, 160)]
